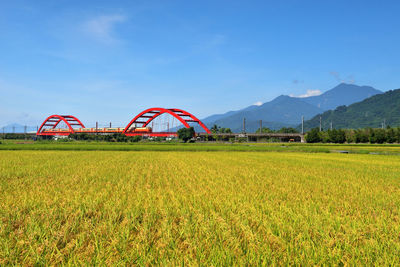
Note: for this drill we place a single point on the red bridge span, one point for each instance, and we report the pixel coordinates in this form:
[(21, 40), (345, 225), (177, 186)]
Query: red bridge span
[(139, 125)]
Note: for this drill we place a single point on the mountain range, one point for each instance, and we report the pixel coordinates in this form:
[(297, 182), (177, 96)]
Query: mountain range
[(371, 112), (286, 111)]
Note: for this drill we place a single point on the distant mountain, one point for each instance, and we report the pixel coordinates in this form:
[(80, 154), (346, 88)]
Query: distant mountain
[(217, 117), (286, 111), (283, 111), (343, 94), (371, 112)]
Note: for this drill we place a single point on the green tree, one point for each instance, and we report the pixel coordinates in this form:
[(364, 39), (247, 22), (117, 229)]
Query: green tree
[(325, 138), (121, 137), (337, 136), (265, 130), (350, 136), (390, 135), (215, 128), (136, 138), (225, 130), (377, 136), (288, 130), (340, 136), (361, 136), (398, 134), (186, 134), (313, 136)]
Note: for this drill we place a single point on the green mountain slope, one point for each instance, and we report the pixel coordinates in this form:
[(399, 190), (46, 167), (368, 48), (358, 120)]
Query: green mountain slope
[(371, 112)]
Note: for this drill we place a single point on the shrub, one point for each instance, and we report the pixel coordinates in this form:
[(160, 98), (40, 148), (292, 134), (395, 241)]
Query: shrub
[(136, 138)]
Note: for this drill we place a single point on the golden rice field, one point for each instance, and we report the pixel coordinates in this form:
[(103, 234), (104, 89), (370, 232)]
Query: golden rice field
[(210, 208)]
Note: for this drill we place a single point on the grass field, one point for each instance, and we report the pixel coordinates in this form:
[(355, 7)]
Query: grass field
[(118, 207), (391, 149)]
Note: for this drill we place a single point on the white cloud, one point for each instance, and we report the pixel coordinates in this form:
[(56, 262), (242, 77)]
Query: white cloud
[(258, 103), (309, 93), (101, 27)]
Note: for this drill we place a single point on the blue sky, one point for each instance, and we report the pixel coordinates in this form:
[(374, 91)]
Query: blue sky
[(108, 60)]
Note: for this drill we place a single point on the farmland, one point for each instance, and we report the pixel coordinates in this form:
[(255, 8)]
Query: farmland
[(198, 207)]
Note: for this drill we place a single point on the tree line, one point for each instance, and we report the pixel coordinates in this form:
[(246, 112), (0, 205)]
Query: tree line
[(281, 130), (366, 135), (14, 136)]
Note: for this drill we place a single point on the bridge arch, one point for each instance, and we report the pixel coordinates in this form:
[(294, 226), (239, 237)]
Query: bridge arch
[(54, 120), (146, 116)]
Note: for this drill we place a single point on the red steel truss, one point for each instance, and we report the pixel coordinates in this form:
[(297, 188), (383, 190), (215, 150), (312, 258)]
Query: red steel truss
[(52, 122), (146, 116), (143, 119)]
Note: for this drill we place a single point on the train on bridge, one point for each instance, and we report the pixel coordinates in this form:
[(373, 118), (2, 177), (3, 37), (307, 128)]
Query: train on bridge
[(139, 125)]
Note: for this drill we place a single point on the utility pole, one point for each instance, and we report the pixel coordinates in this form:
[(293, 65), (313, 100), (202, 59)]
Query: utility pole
[(168, 126), (110, 124), (320, 123), (25, 132), (260, 126), (244, 125), (97, 127), (302, 124)]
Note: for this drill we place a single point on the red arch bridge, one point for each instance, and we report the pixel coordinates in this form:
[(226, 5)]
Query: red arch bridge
[(139, 125)]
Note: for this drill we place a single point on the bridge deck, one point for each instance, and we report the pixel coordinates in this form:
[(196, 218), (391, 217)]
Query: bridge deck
[(65, 131)]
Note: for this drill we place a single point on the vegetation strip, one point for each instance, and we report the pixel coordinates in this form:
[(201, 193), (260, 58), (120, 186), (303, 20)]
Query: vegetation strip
[(391, 149)]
